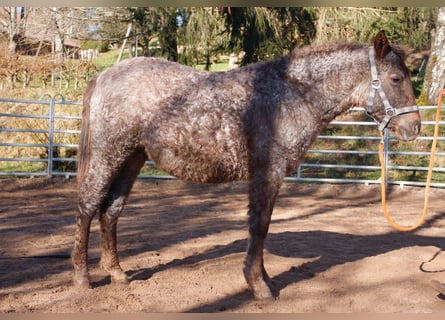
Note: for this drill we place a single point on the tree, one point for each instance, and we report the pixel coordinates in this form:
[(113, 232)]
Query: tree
[(157, 23), (249, 28), (409, 26), (106, 24), (202, 35), (297, 26), (13, 20), (435, 73), (167, 29), (143, 25)]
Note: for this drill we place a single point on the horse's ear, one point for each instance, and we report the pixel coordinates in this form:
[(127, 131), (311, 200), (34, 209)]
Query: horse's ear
[(381, 44)]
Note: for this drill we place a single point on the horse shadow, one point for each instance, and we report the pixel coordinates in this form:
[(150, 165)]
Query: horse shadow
[(331, 253)]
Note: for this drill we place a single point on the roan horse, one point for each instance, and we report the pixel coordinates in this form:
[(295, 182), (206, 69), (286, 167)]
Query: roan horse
[(253, 123)]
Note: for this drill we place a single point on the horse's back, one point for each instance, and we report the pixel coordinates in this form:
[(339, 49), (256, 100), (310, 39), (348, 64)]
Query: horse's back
[(189, 122)]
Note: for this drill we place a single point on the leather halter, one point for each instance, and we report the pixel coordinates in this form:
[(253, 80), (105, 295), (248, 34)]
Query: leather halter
[(390, 111)]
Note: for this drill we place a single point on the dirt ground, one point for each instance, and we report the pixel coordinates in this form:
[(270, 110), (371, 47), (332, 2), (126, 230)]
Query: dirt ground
[(182, 245)]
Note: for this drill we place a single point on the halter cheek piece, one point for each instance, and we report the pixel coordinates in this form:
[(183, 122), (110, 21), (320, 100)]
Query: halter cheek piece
[(390, 111)]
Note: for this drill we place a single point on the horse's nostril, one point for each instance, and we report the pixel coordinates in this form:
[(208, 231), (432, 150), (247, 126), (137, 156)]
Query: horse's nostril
[(418, 127)]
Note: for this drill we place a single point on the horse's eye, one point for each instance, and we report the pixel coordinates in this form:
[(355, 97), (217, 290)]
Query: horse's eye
[(395, 79)]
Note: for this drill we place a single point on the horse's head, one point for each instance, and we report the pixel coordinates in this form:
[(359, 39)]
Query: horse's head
[(392, 102)]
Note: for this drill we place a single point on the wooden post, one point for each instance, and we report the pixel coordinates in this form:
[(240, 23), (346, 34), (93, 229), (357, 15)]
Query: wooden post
[(125, 43)]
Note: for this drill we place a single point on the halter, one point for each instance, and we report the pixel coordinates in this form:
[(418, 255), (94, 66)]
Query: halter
[(390, 111)]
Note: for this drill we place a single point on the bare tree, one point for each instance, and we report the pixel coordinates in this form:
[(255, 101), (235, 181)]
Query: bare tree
[(13, 21)]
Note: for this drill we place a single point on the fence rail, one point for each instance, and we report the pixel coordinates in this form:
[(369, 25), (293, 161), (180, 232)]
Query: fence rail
[(50, 126)]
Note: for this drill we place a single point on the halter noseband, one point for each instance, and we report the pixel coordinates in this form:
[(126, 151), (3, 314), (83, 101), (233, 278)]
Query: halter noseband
[(390, 111)]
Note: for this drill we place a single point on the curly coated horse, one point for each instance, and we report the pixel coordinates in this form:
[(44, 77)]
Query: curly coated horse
[(254, 123)]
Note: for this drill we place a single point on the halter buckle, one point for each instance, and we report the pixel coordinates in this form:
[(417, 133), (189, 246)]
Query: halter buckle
[(391, 112), (376, 84)]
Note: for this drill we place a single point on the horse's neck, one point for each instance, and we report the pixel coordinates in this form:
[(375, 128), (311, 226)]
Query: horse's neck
[(338, 79)]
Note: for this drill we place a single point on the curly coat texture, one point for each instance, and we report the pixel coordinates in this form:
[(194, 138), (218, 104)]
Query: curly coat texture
[(253, 123)]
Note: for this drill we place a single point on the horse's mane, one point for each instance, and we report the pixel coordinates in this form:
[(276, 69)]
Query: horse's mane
[(324, 49), (330, 47), (398, 50)]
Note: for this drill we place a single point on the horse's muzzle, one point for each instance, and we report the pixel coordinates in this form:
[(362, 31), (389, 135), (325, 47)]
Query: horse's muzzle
[(408, 130)]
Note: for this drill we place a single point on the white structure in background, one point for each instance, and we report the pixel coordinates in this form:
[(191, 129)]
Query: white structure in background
[(88, 54), (233, 60)]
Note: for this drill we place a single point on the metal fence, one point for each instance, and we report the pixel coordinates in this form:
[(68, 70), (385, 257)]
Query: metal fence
[(40, 138), (34, 139)]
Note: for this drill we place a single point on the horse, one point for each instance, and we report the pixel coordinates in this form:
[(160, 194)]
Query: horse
[(254, 123)]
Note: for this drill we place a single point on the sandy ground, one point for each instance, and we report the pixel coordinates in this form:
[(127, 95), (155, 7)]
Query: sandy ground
[(182, 245)]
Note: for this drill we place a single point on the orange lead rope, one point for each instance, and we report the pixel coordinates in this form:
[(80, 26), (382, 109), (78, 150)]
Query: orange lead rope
[(428, 180)]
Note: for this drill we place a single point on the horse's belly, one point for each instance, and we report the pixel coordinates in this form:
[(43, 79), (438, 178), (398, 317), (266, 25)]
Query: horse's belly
[(201, 167), (199, 158)]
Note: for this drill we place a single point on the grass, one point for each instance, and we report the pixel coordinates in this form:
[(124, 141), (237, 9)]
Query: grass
[(19, 166), (215, 67), (108, 59)]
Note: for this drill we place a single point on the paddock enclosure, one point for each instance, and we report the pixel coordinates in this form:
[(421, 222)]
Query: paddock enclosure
[(329, 249)]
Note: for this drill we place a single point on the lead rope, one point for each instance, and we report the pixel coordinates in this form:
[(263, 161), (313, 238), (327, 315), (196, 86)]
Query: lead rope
[(428, 179)]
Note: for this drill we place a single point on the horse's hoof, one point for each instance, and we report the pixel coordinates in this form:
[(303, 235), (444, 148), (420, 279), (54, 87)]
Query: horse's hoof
[(438, 286), (81, 282), (118, 276), (264, 295), (262, 291)]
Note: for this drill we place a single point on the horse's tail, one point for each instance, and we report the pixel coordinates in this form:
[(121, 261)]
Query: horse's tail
[(84, 152)]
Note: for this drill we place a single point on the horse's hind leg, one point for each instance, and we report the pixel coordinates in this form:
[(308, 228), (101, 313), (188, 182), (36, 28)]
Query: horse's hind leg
[(110, 211), (80, 251), (97, 193), (91, 192)]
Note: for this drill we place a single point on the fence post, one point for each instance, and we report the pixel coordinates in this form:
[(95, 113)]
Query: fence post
[(386, 154), (299, 172), (52, 112), (51, 117), (51, 137), (50, 132)]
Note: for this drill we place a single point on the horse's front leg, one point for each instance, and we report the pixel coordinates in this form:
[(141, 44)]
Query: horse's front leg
[(262, 194)]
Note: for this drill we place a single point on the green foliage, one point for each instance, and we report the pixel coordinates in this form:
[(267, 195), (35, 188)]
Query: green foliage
[(108, 59), (404, 26), (101, 45), (159, 23), (201, 37), (262, 33), (408, 25)]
